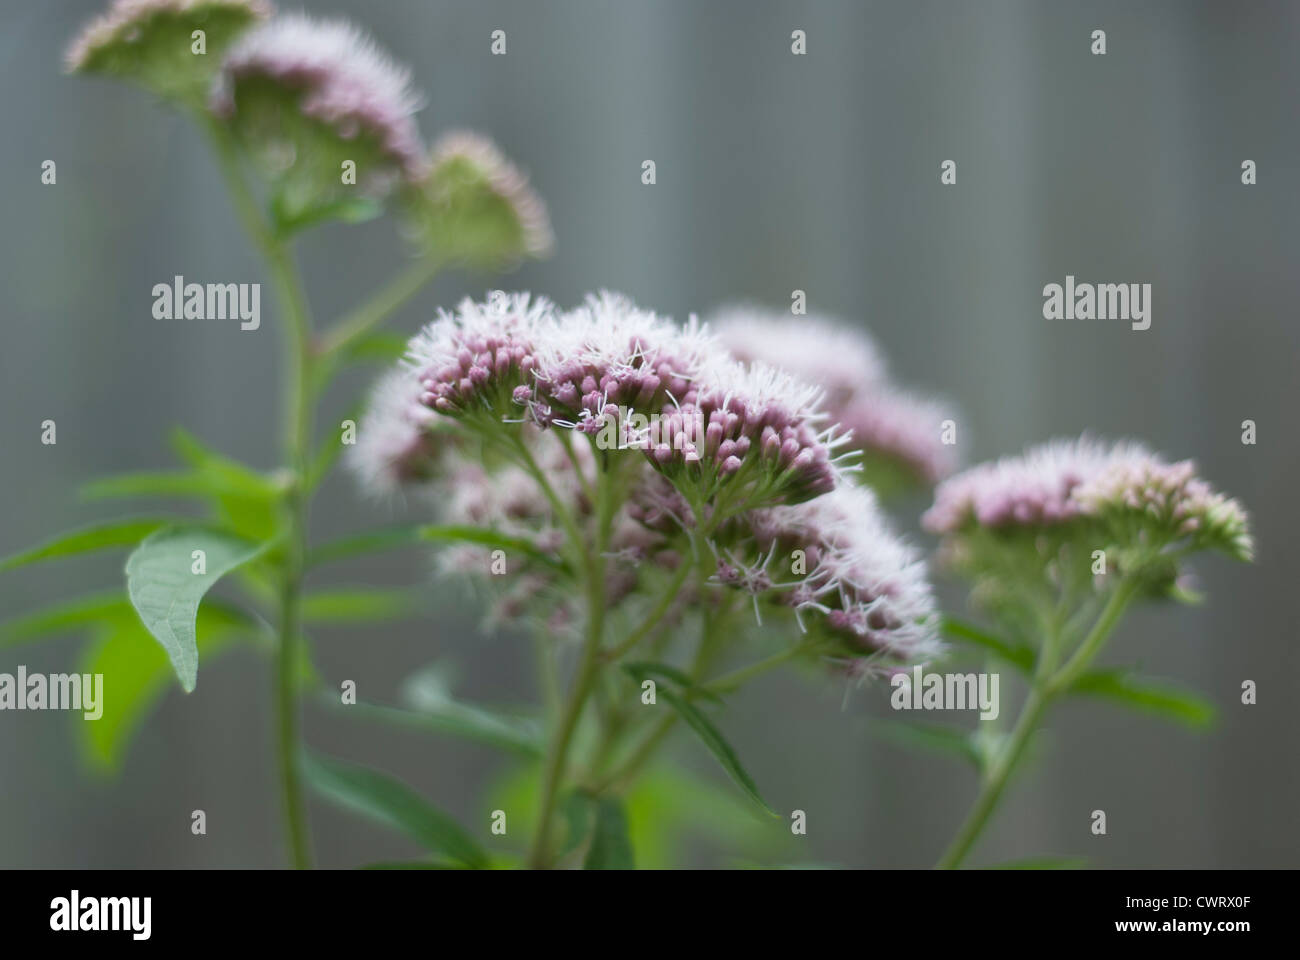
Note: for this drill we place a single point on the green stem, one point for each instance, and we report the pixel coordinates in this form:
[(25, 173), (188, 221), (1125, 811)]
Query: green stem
[(1047, 685), (293, 303), (995, 782), (540, 855), (656, 615), (373, 312)]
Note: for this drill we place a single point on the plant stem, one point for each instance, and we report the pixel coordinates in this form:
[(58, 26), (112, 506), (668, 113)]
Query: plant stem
[(557, 754), (300, 387), (1046, 687), (373, 312), (995, 782), (297, 434)]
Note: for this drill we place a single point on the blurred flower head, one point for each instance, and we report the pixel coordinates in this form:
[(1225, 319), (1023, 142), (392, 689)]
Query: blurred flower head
[(153, 42), (310, 97), (473, 206), (1051, 508), (899, 434)]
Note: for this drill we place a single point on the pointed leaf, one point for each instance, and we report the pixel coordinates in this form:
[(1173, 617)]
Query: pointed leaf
[(717, 745), (358, 605), (97, 536), (166, 592), (640, 670), (1155, 697), (386, 800), (65, 615), (452, 533), (1017, 656), (611, 848)]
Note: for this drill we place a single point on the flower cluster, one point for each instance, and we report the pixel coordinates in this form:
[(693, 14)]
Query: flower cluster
[(311, 96), (899, 434), (395, 445), (847, 569), (1039, 517), (152, 42), (472, 205)]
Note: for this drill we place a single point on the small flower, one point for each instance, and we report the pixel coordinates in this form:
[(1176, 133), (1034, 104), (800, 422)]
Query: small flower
[(395, 444), (1170, 501), (473, 205), (848, 571), (309, 96), (480, 359), (748, 436), (152, 42), (609, 353)]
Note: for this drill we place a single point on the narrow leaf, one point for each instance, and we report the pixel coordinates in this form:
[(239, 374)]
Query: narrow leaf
[(386, 800), (428, 692), (929, 736), (639, 670), (611, 847), (1017, 656), (358, 605), (65, 615), (97, 536), (717, 745), (1163, 699), (403, 536), (166, 591)]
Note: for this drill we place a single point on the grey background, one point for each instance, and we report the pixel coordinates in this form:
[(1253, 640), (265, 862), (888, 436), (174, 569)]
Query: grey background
[(775, 172)]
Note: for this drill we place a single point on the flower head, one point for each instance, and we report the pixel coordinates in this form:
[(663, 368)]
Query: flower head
[(1058, 502), (473, 205), (849, 573), (751, 435), (481, 358), (900, 432), (153, 42), (609, 354), (311, 96)]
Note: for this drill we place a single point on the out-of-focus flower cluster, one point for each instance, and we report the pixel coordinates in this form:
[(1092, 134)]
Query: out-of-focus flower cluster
[(1073, 503), (326, 116), (905, 439)]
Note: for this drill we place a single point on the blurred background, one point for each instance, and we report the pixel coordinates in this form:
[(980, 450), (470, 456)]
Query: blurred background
[(775, 172)]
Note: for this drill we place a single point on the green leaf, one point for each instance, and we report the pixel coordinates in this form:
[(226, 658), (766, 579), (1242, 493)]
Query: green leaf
[(453, 533), (717, 745), (1016, 656), (96, 536), (576, 811), (611, 848), (135, 671), (640, 670), (245, 499), (379, 347), (156, 483), (1162, 699), (930, 736), (358, 605), (166, 592), (386, 800), (65, 615)]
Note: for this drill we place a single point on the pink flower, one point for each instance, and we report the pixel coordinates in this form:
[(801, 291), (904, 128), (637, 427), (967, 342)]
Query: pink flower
[(848, 569), (336, 76), (395, 446)]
